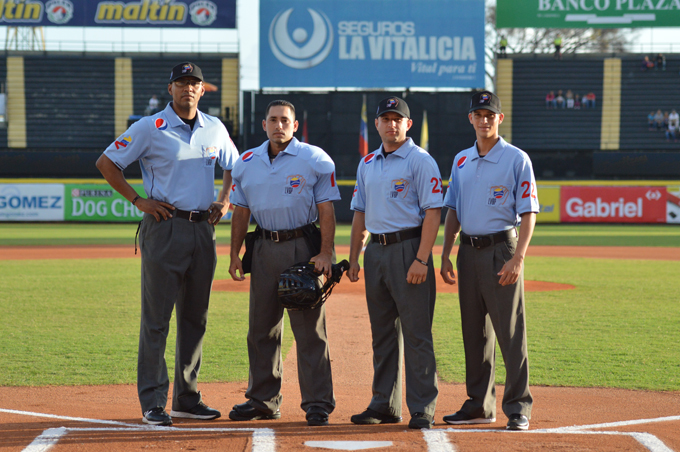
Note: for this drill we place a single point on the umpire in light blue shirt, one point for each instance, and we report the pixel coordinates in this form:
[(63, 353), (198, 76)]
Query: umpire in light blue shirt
[(492, 189), (177, 149), (398, 200), (286, 185)]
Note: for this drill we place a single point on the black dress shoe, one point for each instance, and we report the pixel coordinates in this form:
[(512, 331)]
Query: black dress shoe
[(421, 420), (517, 422), (247, 412), (157, 416), (462, 418), (200, 411), (317, 416), (374, 417)]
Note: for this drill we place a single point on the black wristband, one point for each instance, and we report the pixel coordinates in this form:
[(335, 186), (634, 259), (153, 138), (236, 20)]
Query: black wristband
[(421, 261), (135, 200)]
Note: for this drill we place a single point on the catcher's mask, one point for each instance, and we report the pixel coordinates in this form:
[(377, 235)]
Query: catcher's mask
[(301, 289)]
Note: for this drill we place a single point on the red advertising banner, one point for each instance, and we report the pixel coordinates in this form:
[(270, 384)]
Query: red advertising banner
[(613, 204)]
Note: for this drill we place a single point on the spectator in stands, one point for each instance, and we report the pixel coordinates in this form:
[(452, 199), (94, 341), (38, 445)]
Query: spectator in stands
[(550, 100), (570, 99), (502, 45), (577, 102), (591, 99), (558, 47), (673, 126), (584, 101), (661, 62), (665, 120), (651, 124), (559, 100), (646, 64), (152, 108), (658, 120)]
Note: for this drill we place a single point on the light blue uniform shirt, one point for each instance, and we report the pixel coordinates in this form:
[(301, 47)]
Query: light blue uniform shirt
[(489, 194), (178, 164), (395, 191), (283, 194)]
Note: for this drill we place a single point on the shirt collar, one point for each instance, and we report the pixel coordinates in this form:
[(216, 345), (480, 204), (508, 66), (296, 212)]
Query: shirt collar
[(175, 121), (494, 155), (293, 148), (403, 151)]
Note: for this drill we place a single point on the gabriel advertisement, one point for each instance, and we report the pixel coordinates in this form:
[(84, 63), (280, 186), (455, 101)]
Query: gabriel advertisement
[(613, 204)]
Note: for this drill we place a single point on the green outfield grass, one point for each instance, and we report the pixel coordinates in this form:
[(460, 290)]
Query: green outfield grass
[(71, 322), (545, 234), (618, 328), (68, 322)]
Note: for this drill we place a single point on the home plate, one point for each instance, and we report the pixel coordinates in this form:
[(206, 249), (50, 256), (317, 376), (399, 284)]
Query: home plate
[(348, 445)]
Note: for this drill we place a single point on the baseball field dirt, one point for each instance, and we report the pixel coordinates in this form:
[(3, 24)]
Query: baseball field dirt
[(107, 418)]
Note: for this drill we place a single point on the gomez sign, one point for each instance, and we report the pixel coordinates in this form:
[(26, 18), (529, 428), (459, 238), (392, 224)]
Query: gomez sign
[(613, 204)]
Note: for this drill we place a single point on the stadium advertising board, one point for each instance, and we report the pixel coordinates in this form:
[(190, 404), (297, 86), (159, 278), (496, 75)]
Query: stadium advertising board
[(140, 13), (97, 202), (376, 44), (31, 202), (587, 13), (673, 205), (100, 202), (613, 204), (549, 199)]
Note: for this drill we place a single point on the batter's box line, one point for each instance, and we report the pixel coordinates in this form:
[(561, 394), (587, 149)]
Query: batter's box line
[(613, 424), (438, 442), (651, 442), (264, 439)]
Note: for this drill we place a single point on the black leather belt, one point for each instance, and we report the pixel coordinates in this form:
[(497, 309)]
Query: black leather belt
[(288, 234), (396, 237), (194, 216), (482, 241)]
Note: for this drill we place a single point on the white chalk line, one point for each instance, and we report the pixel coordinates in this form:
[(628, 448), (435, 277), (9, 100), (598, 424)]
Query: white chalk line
[(616, 424), (264, 439), (651, 442), (438, 441)]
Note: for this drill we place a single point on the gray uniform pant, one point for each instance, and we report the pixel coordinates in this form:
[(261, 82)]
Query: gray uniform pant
[(178, 265), (401, 324), (266, 331), (489, 310)]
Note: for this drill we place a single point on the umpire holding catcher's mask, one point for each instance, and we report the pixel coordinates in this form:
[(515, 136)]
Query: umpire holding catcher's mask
[(177, 149), (285, 185)]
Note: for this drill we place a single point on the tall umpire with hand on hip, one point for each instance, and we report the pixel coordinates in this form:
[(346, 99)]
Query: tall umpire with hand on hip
[(178, 149), (398, 199), (286, 185), (492, 186)]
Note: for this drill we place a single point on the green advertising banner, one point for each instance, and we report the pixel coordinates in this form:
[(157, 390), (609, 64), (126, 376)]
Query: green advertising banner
[(97, 202), (587, 13)]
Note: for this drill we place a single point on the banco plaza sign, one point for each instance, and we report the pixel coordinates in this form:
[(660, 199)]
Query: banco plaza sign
[(587, 13)]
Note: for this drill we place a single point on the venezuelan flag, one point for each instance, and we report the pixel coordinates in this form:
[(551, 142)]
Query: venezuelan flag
[(363, 131)]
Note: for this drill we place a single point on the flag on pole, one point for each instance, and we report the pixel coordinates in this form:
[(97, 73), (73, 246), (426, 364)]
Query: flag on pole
[(424, 134), (363, 131), (305, 136)]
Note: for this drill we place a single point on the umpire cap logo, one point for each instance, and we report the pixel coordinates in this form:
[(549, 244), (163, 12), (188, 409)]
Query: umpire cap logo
[(302, 51)]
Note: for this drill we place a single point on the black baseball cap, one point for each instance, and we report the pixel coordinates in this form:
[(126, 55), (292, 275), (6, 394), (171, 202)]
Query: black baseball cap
[(485, 100), (186, 69), (394, 104)]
